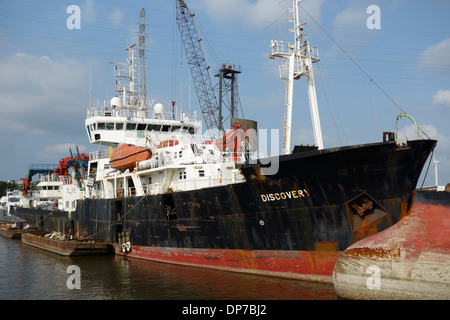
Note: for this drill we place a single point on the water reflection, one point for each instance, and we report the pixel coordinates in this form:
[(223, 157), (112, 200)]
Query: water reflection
[(31, 273)]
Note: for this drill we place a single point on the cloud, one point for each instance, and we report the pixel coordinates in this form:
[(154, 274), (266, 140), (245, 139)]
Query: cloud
[(44, 102), (436, 57), (351, 17), (313, 8), (350, 24), (441, 152), (254, 13), (55, 152), (42, 96), (116, 17), (258, 13), (88, 11), (442, 98)]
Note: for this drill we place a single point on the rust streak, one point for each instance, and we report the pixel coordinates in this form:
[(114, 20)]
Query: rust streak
[(367, 252)]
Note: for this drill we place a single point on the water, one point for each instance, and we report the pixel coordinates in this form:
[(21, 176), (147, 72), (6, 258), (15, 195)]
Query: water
[(28, 273)]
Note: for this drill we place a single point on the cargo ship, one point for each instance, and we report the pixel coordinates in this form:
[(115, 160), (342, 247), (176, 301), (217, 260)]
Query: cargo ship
[(214, 202)]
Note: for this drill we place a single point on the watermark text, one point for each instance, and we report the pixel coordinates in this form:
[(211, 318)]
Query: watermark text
[(74, 20), (374, 20), (74, 280)]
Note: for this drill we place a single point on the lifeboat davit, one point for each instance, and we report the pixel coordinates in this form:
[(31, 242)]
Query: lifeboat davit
[(126, 156)]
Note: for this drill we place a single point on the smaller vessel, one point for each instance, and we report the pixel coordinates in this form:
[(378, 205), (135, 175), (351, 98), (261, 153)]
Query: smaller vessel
[(125, 156), (58, 243), (11, 230), (12, 200)]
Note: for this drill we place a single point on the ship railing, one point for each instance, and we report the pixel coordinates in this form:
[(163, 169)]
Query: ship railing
[(100, 154), (281, 47), (127, 192), (202, 182), (131, 192), (152, 189), (55, 178), (148, 114), (169, 160), (189, 184), (97, 194)]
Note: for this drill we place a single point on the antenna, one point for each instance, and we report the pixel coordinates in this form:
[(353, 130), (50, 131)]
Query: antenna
[(436, 171), (141, 81), (90, 83), (131, 81), (227, 83)]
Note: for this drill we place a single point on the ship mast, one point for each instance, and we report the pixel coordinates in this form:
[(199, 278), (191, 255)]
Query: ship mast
[(142, 82), (130, 84), (298, 58)]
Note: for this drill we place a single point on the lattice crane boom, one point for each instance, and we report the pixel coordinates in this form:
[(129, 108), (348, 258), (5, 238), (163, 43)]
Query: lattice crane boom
[(192, 44)]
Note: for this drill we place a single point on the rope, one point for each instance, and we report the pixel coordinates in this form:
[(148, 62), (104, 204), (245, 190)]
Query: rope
[(257, 36), (112, 224), (426, 172)]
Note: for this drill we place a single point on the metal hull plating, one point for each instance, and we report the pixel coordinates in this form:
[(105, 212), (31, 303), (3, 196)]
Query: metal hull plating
[(407, 261), (292, 224)]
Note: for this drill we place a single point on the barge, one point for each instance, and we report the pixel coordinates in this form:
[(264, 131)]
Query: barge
[(65, 247)]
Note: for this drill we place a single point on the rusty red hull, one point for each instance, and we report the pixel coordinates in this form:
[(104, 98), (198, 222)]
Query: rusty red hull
[(126, 156), (410, 260), (302, 265)]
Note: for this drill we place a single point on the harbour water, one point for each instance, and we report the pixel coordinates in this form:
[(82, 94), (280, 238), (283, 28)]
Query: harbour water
[(28, 273)]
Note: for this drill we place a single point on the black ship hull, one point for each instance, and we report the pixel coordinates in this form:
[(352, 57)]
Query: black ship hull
[(292, 224)]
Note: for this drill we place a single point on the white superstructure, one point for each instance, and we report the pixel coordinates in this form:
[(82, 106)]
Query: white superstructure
[(181, 158)]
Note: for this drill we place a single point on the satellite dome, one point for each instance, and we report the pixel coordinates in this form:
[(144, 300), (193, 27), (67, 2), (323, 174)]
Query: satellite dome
[(158, 109), (116, 102)]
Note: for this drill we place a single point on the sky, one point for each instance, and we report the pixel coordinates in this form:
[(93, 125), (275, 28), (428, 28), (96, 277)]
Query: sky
[(374, 64)]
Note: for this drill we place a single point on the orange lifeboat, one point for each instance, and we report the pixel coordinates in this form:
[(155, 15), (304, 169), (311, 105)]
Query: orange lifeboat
[(126, 156)]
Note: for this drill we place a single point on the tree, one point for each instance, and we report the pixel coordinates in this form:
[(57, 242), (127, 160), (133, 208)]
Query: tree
[(5, 185)]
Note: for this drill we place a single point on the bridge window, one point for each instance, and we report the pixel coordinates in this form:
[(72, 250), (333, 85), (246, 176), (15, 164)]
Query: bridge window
[(154, 127), (119, 126), (131, 126), (89, 131)]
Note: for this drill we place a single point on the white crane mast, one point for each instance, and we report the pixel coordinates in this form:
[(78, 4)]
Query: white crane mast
[(298, 59)]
